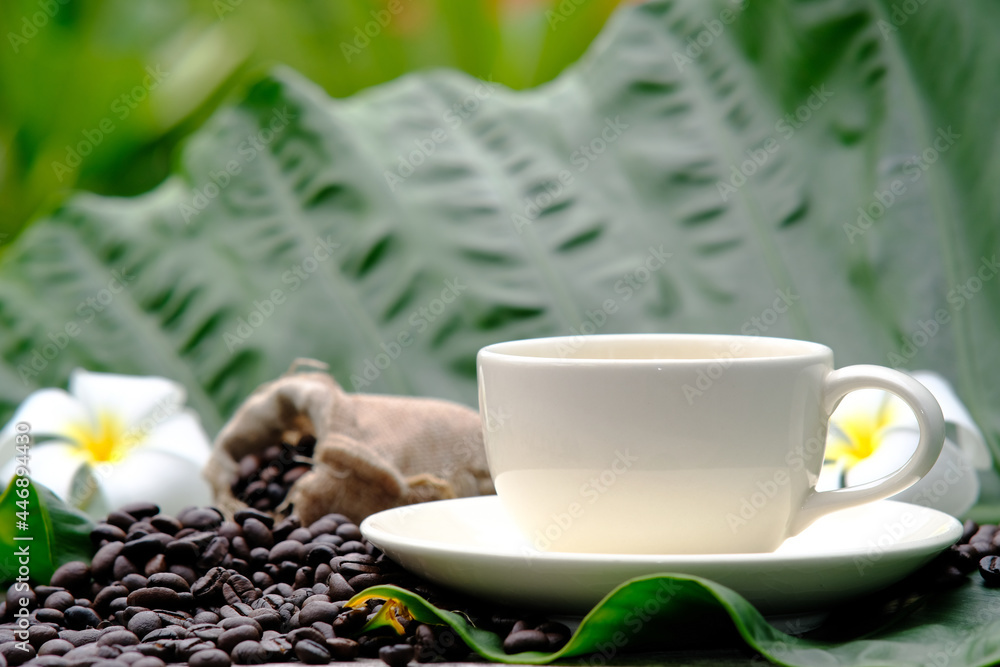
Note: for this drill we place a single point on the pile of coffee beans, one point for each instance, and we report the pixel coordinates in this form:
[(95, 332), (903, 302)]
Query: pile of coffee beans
[(197, 588), (264, 479), (978, 549)]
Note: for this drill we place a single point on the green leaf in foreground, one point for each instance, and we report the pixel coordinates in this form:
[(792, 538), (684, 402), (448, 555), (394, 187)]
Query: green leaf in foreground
[(40, 532), (959, 628)]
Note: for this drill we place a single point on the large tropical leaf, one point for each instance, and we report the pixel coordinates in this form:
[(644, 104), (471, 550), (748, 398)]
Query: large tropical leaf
[(672, 614), (700, 170)]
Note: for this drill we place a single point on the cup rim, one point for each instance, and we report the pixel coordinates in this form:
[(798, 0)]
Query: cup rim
[(514, 350)]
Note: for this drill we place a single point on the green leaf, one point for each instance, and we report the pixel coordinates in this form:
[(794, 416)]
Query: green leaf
[(669, 612), (655, 186), (52, 532)]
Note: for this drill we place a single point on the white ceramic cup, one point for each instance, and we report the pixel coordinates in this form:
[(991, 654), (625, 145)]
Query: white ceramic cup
[(675, 443)]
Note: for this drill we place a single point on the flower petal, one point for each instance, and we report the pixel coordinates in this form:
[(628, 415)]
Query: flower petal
[(951, 486), (967, 435), (53, 465), (48, 412), (172, 482), (133, 399), (180, 435)]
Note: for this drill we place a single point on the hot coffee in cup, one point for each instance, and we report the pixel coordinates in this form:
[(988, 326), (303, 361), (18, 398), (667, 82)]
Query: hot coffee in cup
[(660, 443)]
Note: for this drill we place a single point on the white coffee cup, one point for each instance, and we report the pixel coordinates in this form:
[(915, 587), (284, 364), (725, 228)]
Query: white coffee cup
[(675, 443)]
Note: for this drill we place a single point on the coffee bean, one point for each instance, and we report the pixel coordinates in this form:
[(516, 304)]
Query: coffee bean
[(201, 519), (326, 524), (212, 657), (147, 661), (105, 662), (165, 524), (142, 549), (92, 651), (119, 637), (73, 576), (243, 587), (242, 515), (80, 637), (256, 494), (282, 529), (181, 552), (155, 565), (188, 647), (332, 540), (139, 529), (303, 577), (525, 640), (964, 557), (144, 622), (293, 475), (339, 588), (299, 634), (214, 553), (312, 652), (300, 535), (349, 621), (348, 531), (278, 648), (56, 646), (289, 550), (105, 531), (169, 580), (123, 520), (122, 568), (363, 581), (240, 621), (60, 600), (154, 597), (256, 533), (229, 530), (349, 569), (45, 615), (239, 548), (140, 510), (249, 653), (166, 634), (103, 599), (317, 554), (989, 569), (268, 619), (342, 649), (39, 633), (352, 546), (209, 587), (78, 618), (318, 611), (205, 617), (48, 661), (185, 572), (397, 655), (162, 650), (13, 655)]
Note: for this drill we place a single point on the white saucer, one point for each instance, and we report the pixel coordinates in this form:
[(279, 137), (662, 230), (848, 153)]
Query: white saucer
[(470, 544)]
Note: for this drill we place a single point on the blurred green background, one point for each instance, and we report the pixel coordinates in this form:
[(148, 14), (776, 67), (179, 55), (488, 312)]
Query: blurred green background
[(126, 80)]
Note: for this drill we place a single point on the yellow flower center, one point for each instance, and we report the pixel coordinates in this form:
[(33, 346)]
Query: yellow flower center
[(857, 435), (103, 441)]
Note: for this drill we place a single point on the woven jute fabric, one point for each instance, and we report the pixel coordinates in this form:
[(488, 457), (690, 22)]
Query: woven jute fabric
[(372, 452)]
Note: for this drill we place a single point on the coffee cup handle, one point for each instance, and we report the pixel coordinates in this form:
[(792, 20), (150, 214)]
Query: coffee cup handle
[(841, 382)]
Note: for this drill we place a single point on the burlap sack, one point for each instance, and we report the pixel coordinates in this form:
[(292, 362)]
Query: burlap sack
[(372, 452)]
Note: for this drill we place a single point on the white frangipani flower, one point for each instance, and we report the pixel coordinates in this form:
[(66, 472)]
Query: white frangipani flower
[(872, 433), (113, 439)]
